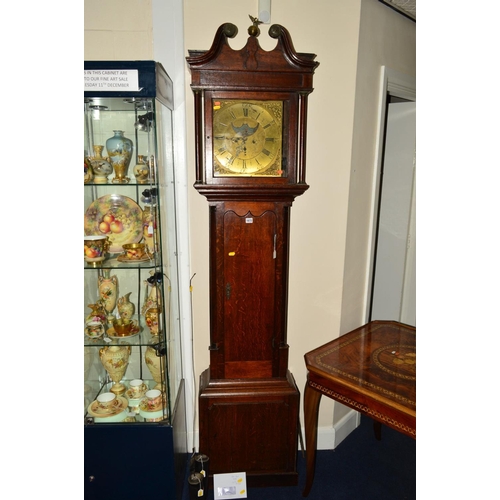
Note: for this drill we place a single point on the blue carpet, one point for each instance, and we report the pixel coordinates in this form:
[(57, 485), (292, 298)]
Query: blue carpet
[(360, 468)]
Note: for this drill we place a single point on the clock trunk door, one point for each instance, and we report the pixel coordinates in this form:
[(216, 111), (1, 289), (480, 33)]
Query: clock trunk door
[(249, 305)]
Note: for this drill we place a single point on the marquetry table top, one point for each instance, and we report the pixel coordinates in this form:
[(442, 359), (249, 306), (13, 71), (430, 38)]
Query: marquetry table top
[(376, 362)]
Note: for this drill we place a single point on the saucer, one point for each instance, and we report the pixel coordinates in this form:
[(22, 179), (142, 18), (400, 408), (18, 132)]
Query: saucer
[(94, 337), (150, 416), (121, 417), (118, 405), (143, 406), (123, 258), (159, 418)]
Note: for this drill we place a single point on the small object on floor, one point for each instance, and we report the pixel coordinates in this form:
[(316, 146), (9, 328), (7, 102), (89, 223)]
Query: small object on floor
[(196, 490)]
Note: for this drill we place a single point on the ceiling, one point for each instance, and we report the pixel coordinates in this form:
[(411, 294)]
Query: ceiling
[(407, 7)]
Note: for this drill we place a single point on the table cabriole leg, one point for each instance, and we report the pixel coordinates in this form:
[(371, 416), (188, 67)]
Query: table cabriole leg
[(312, 399)]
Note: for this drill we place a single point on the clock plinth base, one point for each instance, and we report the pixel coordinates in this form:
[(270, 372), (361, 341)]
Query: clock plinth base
[(251, 426)]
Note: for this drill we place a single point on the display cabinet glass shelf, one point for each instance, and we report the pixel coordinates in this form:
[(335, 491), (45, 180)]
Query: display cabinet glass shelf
[(133, 389)]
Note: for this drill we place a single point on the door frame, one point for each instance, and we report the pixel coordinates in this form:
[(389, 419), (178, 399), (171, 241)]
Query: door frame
[(396, 84)]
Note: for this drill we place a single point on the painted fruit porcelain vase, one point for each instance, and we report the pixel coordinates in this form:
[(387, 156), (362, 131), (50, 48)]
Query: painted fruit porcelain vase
[(115, 359), (120, 150)]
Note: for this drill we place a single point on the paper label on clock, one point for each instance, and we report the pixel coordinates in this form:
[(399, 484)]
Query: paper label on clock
[(108, 80), (249, 220)]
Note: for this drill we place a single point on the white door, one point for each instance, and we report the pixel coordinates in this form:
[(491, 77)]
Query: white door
[(394, 295)]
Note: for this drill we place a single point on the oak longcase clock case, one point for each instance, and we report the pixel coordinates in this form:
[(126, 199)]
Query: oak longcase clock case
[(250, 131), (134, 408)]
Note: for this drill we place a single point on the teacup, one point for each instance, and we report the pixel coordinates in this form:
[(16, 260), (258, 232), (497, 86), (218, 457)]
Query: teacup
[(105, 400), (136, 387), (153, 399), (122, 327), (95, 248), (94, 329), (135, 251)]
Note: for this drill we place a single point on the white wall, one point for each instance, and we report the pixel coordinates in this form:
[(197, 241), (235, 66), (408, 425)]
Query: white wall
[(318, 222), (118, 30), (386, 38), (330, 223)]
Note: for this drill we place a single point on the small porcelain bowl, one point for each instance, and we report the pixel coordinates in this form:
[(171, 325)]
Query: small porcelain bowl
[(94, 329), (135, 251)]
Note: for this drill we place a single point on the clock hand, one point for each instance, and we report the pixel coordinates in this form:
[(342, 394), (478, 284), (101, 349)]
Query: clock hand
[(241, 148)]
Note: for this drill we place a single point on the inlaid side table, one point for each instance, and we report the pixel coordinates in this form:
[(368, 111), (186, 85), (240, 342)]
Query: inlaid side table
[(372, 370)]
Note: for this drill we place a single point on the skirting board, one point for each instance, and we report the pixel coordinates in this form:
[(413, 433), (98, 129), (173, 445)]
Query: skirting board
[(328, 437)]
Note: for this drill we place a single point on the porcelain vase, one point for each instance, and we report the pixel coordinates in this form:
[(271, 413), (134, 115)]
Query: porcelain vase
[(108, 290), (115, 359), (120, 150), (152, 299), (125, 307), (88, 173), (101, 167), (152, 317), (141, 170), (98, 313), (156, 366)]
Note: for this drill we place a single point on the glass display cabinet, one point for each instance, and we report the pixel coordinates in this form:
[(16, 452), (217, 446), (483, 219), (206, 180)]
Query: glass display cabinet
[(134, 403)]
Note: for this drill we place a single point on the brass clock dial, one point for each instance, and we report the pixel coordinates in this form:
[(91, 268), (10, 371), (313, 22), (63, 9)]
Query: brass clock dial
[(247, 138)]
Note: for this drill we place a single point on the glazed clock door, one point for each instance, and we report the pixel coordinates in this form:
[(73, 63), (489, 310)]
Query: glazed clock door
[(249, 305)]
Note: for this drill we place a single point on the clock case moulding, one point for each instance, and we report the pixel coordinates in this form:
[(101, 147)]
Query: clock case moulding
[(252, 73)]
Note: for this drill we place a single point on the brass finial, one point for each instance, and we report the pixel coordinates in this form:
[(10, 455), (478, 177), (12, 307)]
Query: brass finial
[(254, 30)]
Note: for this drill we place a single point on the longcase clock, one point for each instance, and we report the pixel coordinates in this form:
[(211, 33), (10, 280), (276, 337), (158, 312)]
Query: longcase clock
[(250, 133)]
